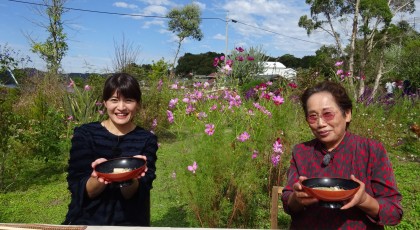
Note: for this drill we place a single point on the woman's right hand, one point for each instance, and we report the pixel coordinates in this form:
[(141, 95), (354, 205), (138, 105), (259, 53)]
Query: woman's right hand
[(299, 198), (94, 174)]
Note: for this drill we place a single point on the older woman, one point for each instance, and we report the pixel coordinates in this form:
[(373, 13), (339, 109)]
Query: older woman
[(335, 152)]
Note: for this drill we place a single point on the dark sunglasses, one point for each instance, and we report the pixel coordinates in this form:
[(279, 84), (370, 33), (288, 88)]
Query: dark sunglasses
[(326, 116)]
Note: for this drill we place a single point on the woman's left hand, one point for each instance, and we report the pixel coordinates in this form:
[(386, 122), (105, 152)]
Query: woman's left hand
[(144, 158), (360, 197)]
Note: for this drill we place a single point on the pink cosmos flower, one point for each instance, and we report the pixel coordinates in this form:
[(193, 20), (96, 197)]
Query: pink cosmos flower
[(227, 69), (209, 129), (275, 159), (71, 84), (70, 118), (154, 123), (193, 167), (216, 61), (339, 72), (213, 107), (172, 103), (229, 62), (170, 116), (87, 88), (250, 58), (101, 112), (222, 58), (338, 63), (201, 115), (278, 100), (292, 85), (174, 86), (240, 49), (254, 154), (277, 146), (243, 137), (98, 103), (206, 85), (189, 109), (186, 100), (240, 58)]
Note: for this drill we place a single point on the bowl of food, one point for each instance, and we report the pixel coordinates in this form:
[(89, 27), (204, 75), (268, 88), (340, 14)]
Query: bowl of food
[(120, 169), (330, 189)]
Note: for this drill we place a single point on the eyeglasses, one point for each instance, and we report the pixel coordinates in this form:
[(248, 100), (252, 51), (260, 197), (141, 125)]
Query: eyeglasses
[(326, 116)]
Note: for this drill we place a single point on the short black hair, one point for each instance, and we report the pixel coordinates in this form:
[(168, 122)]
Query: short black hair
[(124, 84), (338, 92)]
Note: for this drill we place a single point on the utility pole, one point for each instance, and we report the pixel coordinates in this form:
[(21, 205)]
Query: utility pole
[(227, 23)]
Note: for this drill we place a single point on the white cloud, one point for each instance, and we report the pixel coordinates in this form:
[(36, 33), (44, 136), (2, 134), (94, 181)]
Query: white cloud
[(202, 6), (155, 10), (125, 5), (219, 37), (157, 2), (157, 22)]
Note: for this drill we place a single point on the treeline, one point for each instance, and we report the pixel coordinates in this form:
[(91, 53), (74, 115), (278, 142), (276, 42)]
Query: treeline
[(202, 64)]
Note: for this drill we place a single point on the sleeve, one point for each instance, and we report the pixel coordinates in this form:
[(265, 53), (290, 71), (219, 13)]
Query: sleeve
[(79, 169), (384, 187), (292, 178), (149, 150)]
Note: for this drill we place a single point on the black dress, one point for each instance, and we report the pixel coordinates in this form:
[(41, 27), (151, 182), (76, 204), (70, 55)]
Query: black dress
[(90, 142)]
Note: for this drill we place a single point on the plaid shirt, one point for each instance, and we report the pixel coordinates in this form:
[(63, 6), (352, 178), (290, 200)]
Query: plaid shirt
[(367, 160)]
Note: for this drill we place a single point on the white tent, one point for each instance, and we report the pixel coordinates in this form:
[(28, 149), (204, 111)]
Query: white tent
[(274, 69)]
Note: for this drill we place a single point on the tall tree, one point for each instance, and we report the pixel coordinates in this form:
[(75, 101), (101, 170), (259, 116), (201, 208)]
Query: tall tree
[(323, 15), (185, 22), (53, 50)]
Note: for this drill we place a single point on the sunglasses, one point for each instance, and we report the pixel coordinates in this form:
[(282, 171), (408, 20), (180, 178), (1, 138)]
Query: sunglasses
[(326, 116)]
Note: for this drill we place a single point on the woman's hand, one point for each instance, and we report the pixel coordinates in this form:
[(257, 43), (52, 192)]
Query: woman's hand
[(299, 198), (358, 198), (94, 174), (363, 200), (145, 170)]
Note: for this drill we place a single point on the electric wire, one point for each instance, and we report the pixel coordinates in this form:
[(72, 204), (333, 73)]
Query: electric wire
[(165, 17)]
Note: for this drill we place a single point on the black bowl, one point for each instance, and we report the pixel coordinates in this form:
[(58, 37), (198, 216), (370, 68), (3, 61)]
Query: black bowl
[(106, 169)]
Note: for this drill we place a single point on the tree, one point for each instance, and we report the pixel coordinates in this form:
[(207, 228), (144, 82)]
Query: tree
[(126, 55), (53, 50), (185, 22), (323, 14), (200, 64)]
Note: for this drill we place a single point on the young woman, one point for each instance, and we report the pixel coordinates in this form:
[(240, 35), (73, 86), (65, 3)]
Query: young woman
[(95, 201)]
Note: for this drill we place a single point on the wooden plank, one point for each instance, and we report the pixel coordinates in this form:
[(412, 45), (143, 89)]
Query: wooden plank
[(275, 192)]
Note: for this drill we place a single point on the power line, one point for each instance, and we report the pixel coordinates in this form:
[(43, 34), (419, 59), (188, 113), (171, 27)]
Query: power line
[(163, 17)]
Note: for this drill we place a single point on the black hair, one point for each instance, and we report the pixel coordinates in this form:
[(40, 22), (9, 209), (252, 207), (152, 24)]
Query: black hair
[(124, 84), (338, 92)]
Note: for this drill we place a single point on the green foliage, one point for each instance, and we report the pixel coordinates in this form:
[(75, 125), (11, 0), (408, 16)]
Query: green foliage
[(185, 22), (240, 67), (82, 106), (159, 70), (11, 59), (197, 64), (226, 193), (55, 47)]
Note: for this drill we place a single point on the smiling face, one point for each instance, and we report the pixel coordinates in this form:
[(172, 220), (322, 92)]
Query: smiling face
[(121, 110), (326, 120)]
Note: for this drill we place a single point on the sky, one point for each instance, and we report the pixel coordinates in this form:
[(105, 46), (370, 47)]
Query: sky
[(271, 25)]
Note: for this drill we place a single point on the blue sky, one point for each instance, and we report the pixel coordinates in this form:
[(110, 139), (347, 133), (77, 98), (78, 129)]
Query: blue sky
[(271, 24)]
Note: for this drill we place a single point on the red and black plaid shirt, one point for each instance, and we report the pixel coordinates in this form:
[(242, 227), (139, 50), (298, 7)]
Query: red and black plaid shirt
[(367, 160)]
